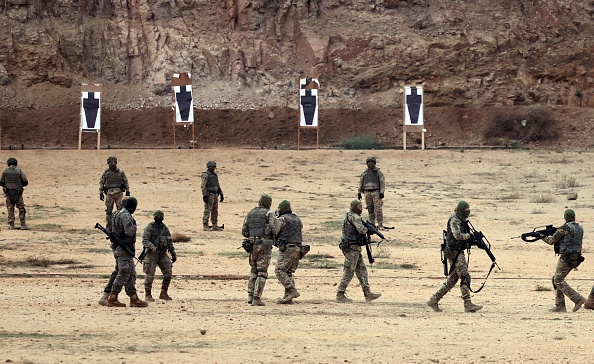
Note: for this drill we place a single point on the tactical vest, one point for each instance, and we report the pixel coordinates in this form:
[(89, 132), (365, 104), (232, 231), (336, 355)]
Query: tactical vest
[(573, 241), (12, 178), (291, 232), (371, 180), (256, 219), (350, 234), (212, 182), (113, 179), (451, 242)]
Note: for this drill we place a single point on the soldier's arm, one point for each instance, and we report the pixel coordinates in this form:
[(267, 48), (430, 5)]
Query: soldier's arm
[(2, 180), (558, 235), (102, 182), (146, 236), (457, 230), (125, 181), (361, 182), (245, 229), (24, 180), (357, 223), (129, 226), (382, 181), (203, 184), (277, 224)]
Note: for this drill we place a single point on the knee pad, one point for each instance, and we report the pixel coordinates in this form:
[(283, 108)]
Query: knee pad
[(263, 275)]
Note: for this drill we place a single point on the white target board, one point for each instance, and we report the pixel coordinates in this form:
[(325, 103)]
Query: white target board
[(413, 105), (308, 102), (90, 108), (183, 97)]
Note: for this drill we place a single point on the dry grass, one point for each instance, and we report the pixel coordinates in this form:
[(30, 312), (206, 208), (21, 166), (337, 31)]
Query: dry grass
[(40, 261), (567, 182), (542, 198), (180, 238), (540, 288), (511, 196)]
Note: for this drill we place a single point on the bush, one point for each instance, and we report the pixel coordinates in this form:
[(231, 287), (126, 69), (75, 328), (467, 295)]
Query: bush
[(525, 124), (361, 142)]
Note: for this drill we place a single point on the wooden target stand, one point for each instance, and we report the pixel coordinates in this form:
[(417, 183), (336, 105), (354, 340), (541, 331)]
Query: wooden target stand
[(414, 129), (313, 84), (182, 79), (175, 123), (90, 88)]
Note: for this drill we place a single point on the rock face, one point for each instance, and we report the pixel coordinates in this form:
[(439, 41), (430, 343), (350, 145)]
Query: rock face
[(252, 52)]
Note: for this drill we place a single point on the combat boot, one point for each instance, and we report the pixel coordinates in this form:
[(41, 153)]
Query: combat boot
[(103, 299), (589, 305), (558, 308), (112, 300), (342, 298), (434, 304), (148, 296), (136, 302), (579, 304), (381, 227), (11, 226), (471, 307), (164, 295), (250, 298), (206, 228), (258, 302), (216, 228), (293, 293), (372, 296), (24, 225)]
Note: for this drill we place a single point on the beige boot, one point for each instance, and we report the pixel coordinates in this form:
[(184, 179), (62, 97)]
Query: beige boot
[(164, 295), (579, 304), (250, 298), (471, 307), (112, 300), (216, 228), (258, 302), (589, 305), (103, 299), (293, 293), (11, 226), (206, 228), (136, 302), (372, 296), (558, 308), (342, 298), (434, 304), (24, 225), (148, 296)]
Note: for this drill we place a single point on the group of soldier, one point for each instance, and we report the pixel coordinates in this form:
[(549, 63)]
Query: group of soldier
[(263, 229)]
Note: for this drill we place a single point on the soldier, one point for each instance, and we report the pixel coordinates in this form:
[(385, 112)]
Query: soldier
[(210, 190), (124, 226), (373, 185), (568, 237), (457, 240), (156, 239), (256, 228), (13, 181), (113, 183), (353, 232), (286, 228)]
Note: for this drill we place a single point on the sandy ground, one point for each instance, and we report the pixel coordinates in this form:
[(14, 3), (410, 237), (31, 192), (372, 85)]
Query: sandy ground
[(50, 314)]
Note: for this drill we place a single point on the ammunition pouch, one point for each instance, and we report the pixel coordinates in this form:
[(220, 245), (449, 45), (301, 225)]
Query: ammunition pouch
[(281, 246), (13, 195), (247, 245), (557, 248), (162, 243), (572, 258), (344, 246), (362, 240), (460, 245), (303, 250)]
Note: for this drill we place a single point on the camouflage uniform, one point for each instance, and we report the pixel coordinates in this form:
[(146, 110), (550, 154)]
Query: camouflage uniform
[(156, 238), (210, 188), (373, 185), (287, 230), (12, 181), (569, 237), (113, 183), (256, 228), (352, 228), (457, 240), (124, 226)]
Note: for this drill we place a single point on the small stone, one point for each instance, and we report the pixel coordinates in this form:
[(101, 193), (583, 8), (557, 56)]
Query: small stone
[(572, 196)]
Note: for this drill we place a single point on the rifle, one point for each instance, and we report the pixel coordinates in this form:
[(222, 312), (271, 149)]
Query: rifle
[(117, 240), (478, 239), (444, 260), (371, 230), (535, 235)]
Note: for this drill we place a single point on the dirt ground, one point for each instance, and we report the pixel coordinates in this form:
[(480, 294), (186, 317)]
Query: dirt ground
[(50, 311)]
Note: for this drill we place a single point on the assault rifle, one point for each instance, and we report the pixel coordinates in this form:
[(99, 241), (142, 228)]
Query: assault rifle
[(117, 240), (478, 239), (535, 235), (371, 230)]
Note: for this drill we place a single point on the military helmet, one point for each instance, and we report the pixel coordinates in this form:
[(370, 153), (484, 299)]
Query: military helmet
[(12, 162), (158, 213), (211, 164), (112, 158), (371, 159)]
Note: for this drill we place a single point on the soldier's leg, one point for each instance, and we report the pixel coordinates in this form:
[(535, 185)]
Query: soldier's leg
[(378, 204), (348, 270), (262, 263), (22, 212), (125, 266), (362, 276), (112, 278), (207, 209), (461, 268), (561, 272), (282, 268), (370, 207), (167, 271), (109, 202), (253, 277), (117, 199), (214, 212), (10, 208), (149, 267)]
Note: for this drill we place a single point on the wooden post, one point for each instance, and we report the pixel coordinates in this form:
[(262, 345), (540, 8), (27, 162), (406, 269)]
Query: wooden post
[(98, 139)]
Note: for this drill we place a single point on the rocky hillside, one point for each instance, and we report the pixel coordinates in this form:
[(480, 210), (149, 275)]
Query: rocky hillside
[(246, 54)]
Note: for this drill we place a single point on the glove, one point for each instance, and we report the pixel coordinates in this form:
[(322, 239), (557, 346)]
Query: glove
[(127, 193), (173, 259), (101, 196), (152, 247), (222, 197), (205, 199), (359, 196), (381, 195)]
